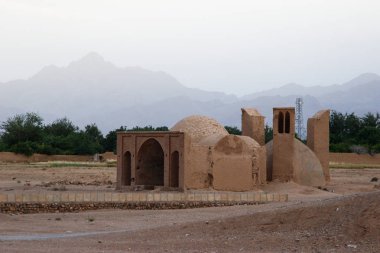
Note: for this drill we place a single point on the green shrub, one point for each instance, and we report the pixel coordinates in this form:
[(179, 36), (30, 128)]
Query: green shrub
[(340, 148), (2, 146), (26, 148), (376, 148)]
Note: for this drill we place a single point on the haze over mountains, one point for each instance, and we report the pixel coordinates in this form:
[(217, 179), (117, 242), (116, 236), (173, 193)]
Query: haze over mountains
[(92, 90)]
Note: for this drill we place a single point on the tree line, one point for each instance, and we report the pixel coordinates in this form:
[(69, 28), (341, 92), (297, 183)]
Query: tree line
[(351, 133), (27, 134)]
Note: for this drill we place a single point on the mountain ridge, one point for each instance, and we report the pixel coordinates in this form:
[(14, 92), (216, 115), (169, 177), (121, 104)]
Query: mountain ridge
[(93, 90)]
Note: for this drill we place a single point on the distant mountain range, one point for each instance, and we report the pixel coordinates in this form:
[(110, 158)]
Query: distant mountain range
[(92, 90)]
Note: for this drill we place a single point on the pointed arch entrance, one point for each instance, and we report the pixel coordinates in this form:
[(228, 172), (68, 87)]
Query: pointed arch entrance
[(150, 164)]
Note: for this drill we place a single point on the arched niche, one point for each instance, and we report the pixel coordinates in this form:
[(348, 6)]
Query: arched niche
[(287, 122), (281, 123)]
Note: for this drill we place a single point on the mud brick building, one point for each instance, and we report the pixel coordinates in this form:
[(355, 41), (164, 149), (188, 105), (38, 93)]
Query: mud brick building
[(198, 153)]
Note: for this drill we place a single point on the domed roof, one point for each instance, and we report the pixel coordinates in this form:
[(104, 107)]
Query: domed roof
[(307, 169), (199, 127), (235, 144)]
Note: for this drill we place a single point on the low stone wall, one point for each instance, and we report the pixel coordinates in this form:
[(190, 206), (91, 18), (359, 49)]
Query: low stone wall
[(77, 201), (25, 208), (18, 158), (354, 158)]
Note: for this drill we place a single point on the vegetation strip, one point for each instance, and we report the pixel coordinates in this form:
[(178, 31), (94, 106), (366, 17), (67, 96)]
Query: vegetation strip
[(27, 134)]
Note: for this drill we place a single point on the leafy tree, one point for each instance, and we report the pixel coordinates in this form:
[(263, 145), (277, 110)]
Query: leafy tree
[(2, 146), (352, 125), (25, 147), (371, 120), (93, 132), (109, 142), (369, 135), (376, 148), (350, 133), (22, 133), (61, 127), (22, 127), (233, 130), (84, 145), (26, 134), (337, 126), (58, 137), (93, 138), (268, 131)]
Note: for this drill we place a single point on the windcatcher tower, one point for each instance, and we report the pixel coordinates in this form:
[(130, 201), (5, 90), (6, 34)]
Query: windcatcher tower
[(252, 125), (318, 137), (283, 143)]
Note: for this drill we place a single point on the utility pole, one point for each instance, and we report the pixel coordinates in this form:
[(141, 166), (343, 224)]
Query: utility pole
[(300, 130)]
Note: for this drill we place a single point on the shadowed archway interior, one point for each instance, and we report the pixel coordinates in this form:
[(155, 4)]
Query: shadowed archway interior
[(150, 164), (287, 122), (174, 169), (280, 122), (126, 174)]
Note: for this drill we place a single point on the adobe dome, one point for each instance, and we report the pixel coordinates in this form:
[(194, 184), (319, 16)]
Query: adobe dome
[(199, 127), (307, 167), (235, 144)]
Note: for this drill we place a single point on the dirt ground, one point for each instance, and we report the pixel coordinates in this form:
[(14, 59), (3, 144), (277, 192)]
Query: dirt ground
[(47, 177), (344, 216)]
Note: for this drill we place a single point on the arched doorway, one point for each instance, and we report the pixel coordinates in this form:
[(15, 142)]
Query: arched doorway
[(150, 164), (174, 169), (126, 173)]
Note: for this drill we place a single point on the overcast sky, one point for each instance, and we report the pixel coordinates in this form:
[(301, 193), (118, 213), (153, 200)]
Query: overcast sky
[(232, 46)]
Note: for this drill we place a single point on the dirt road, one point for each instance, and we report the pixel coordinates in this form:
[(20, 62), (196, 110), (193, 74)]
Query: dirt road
[(342, 217), (339, 224)]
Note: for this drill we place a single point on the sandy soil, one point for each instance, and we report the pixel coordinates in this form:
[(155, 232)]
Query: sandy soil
[(24, 177), (343, 217)]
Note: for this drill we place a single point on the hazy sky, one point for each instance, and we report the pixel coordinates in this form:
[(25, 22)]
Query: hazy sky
[(232, 46)]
